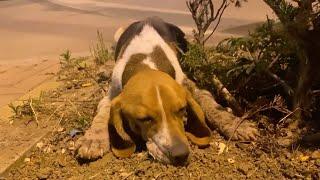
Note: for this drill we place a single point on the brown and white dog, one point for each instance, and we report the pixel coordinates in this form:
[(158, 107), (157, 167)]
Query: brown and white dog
[(146, 101)]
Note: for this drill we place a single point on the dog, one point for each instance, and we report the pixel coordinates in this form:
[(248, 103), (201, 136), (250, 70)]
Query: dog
[(146, 102)]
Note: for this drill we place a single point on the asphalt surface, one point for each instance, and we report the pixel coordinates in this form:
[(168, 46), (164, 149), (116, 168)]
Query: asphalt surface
[(34, 32)]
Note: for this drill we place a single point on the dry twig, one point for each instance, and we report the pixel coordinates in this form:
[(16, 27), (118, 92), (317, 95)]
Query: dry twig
[(34, 112)]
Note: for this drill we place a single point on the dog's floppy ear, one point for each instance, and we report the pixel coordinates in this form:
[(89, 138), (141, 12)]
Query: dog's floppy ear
[(121, 143), (196, 128)]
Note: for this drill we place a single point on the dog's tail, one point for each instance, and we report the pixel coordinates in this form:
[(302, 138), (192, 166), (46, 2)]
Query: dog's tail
[(118, 34)]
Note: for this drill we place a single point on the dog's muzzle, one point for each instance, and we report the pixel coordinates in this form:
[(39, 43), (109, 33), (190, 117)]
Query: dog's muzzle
[(176, 153)]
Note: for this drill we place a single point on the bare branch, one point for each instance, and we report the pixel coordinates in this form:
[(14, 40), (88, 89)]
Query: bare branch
[(217, 24), (204, 15)]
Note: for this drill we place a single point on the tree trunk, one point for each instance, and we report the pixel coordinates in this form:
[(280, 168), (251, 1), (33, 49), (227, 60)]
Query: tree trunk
[(309, 71), (221, 90), (200, 37)]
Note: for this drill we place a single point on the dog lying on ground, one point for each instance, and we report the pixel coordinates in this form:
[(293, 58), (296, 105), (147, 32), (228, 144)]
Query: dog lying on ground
[(146, 102)]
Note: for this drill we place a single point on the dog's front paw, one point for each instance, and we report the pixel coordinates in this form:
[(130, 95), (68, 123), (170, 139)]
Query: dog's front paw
[(246, 131), (94, 144)]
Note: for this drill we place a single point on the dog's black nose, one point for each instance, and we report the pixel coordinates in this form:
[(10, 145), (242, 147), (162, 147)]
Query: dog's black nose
[(180, 153)]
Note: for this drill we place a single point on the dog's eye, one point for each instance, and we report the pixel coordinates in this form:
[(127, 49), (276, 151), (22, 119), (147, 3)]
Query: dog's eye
[(145, 119), (182, 111)]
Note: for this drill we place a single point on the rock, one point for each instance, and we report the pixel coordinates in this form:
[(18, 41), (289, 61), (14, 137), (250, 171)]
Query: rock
[(47, 149), (60, 129), (222, 148), (27, 160), (231, 161), (244, 169), (285, 142), (86, 84), (304, 158), (39, 145), (43, 173), (315, 154)]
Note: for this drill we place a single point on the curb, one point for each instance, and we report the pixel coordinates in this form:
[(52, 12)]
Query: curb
[(17, 139)]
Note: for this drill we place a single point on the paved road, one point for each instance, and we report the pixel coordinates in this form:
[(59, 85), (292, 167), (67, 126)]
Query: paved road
[(34, 32)]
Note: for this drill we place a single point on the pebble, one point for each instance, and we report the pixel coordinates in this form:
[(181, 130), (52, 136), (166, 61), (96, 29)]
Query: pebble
[(243, 169), (231, 161), (27, 160), (315, 154), (39, 145), (43, 173)]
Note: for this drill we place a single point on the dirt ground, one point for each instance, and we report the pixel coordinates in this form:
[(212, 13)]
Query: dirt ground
[(72, 107)]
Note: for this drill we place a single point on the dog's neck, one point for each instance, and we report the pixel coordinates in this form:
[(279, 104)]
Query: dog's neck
[(156, 60)]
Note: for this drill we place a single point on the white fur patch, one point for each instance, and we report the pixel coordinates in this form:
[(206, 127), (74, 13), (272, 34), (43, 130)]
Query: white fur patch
[(163, 134), (151, 64), (144, 43)]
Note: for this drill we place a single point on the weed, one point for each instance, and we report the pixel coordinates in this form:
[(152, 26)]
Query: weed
[(65, 59), (100, 51), (26, 108)]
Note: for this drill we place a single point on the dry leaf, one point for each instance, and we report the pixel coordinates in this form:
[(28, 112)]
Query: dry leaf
[(304, 158), (86, 84), (222, 148)]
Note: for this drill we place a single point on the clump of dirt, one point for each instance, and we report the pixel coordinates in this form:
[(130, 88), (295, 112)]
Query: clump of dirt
[(73, 106)]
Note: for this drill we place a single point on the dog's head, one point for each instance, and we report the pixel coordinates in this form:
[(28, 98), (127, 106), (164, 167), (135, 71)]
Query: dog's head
[(154, 106)]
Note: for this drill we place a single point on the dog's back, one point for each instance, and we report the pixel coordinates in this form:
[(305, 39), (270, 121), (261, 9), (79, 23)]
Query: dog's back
[(169, 32), (151, 43)]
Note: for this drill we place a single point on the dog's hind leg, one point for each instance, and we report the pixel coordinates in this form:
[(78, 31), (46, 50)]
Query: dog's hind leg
[(95, 143)]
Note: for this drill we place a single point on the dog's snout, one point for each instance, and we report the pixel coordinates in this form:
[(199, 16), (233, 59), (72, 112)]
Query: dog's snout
[(180, 153)]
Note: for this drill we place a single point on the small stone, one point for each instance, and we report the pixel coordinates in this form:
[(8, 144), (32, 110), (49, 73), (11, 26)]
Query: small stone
[(315, 154), (243, 169), (86, 84), (222, 148), (47, 149), (63, 151), (142, 155), (304, 158), (43, 173), (229, 110), (27, 160), (62, 77), (60, 129), (71, 146), (284, 142), (62, 162), (231, 161), (39, 145)]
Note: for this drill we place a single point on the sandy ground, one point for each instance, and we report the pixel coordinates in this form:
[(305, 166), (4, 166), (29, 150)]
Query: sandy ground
[(71, 107), (34, 32)]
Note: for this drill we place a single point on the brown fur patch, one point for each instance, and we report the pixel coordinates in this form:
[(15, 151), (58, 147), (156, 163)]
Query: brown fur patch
[(133, 66), (162, 62)]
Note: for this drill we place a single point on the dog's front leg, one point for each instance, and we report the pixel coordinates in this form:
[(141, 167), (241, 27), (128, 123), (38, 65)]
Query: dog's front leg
[(95, 143), (218, 118)]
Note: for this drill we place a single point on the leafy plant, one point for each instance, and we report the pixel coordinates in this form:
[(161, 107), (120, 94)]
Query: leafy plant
[(265, 55)]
